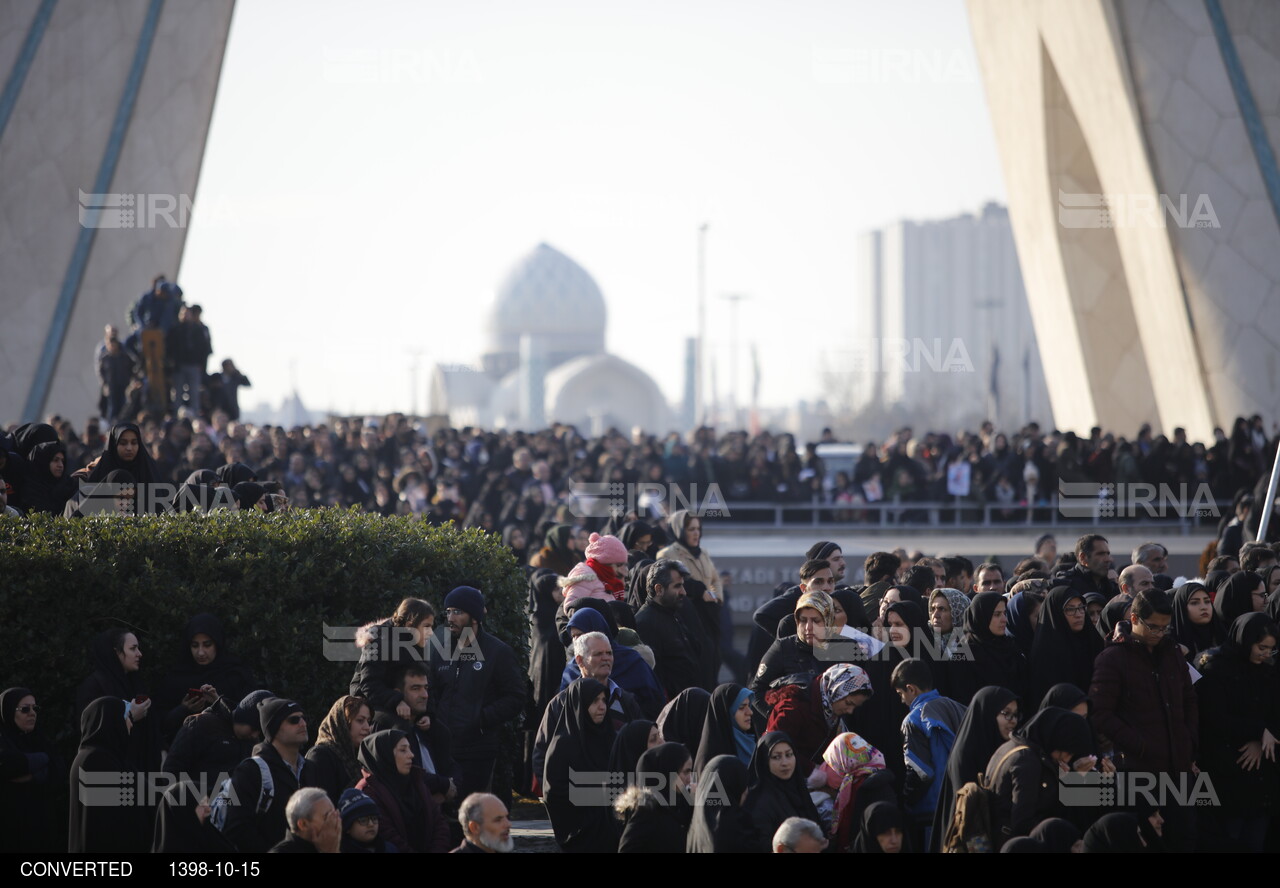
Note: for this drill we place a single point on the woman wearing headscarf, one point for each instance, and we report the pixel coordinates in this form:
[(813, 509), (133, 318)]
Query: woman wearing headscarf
[(1058, 836), (546, 653), (681, 720), (908, 635), (183, 825), (117, 657), (993, 657), (1024, 616), (1023, 772), (811, 715), (104, 746), (407, 815), (720, 824), (632, 741), (778, 787), (798, 654), (233, 474), (847, 763), (1239, 717), (656, 811), (1243, 593), (125, 451), (1116, 833), (207, 664), (1196, 626), (1067, 696), (582, 742), (727, 728), (332, 764), (687, 549), (989, 722), (49, 484), (637, 536), (514, 538), (1065, 645), (946, 616), (883, 831), (29, 769), (1214, 580), (556, 554)]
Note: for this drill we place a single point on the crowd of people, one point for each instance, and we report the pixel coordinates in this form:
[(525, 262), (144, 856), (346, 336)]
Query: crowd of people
[(938, 706), (517, 484)]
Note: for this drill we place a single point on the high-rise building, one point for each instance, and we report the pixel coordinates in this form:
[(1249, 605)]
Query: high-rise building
[(944, 332)]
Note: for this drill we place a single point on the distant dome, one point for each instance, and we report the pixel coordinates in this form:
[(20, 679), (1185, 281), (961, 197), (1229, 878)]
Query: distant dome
[(548, 295)]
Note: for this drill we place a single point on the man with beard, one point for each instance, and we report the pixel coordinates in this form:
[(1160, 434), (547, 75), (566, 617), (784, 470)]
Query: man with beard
[(485, 825), (476, 685)]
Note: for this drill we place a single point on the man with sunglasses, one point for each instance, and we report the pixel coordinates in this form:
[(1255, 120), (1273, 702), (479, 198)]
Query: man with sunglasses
[(257, 821), (1143, 700)]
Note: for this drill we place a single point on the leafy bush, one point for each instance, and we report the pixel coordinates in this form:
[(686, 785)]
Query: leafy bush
[(273, 579)]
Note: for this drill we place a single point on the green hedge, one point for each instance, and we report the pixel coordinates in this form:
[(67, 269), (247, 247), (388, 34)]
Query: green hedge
[(273, 579)]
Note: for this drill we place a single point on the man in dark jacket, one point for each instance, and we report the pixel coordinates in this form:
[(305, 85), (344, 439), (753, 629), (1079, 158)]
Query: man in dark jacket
[(211, 744), (188, 346), (476, 685), (258, 821), (1089, 573), (314, 825), (677, 657), (1143, 700)]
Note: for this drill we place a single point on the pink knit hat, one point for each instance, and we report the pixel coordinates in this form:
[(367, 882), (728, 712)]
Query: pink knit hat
[(582, 582), (607, 549)]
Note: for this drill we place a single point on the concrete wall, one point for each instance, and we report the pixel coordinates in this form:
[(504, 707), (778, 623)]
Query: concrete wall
[(53, 148), (1140, 316)]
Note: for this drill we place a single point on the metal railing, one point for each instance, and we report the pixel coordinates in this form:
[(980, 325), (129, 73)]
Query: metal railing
[(958, 514)]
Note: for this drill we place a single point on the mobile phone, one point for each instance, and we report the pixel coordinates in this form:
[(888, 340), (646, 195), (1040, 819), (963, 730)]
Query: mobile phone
[(140, 699), (194, 692)]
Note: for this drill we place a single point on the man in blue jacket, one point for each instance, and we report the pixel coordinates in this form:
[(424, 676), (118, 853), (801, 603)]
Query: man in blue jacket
[(928, 733)]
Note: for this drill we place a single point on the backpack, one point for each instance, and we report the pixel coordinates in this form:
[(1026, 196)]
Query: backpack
[(970, 830), (222, 801)]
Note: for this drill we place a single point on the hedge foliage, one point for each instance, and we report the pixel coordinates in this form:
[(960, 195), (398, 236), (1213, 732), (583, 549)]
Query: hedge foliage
[(273, 579)]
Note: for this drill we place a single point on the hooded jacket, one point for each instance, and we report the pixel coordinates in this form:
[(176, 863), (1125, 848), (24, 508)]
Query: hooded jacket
[(384, 652), (1024, 775), (27, 807)]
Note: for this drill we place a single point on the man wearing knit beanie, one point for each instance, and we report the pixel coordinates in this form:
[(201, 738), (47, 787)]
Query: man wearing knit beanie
[(476, 686), (258, 822)]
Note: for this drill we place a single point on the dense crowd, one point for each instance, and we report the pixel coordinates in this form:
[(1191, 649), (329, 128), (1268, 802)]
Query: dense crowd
[(517, 484), (938, 706)]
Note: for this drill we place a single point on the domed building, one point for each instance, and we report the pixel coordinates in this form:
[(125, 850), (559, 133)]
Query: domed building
[(545, 359)]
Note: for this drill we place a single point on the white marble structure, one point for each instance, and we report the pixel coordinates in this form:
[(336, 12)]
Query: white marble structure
[(548, 320), (1138, 141), (111, 97)]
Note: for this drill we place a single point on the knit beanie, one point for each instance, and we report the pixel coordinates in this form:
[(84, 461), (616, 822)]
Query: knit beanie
[(246, 711), (272, 712), (468, 600), (353, 804), (606, 549)]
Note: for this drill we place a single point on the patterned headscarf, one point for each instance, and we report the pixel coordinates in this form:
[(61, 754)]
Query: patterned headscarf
[(848, 761), (959, 604), (839, 682), (821, 602)]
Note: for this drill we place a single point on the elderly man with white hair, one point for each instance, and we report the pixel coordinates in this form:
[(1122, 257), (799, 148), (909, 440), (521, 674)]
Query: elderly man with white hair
[(594, 655), (799, 836), (314, 824), (486, 828)]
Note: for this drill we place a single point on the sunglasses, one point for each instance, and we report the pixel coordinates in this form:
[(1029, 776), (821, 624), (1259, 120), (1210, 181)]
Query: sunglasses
[(26, 710), (295, 719)]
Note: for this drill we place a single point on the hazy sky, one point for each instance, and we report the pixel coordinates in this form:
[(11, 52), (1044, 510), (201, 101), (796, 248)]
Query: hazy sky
[(373, 170)]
